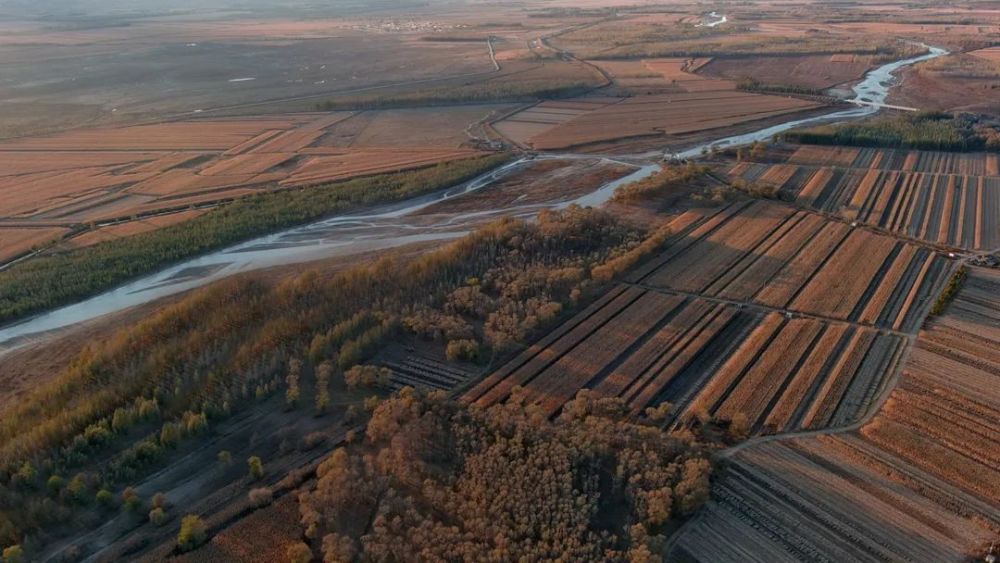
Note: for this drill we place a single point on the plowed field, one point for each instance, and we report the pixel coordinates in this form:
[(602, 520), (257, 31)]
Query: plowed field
[(65, 180), (952, 199), (920, 482)]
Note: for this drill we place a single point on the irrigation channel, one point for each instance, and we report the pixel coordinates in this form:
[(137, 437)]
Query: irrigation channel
[(395, 225)]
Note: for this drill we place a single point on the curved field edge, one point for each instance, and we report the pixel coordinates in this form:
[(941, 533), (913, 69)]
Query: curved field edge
[(49, 281)]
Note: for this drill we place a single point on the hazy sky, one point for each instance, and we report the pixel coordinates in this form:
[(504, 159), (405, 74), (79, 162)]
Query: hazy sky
[(91, 10)]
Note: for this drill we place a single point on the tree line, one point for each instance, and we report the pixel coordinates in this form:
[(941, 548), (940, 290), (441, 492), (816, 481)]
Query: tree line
[(481, 92), (124, 405), (923, 131), (55, 279)]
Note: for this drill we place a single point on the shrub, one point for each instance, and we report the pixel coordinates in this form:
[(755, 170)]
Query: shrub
[(55, 484), (104, 498), (312, 439), (76, 489), (950, 291), (13, 554), (159, 500), (131, 501), (464, 350), (26, 474), (157, 516), (256, 467), (261, 497), (367, 376), (668, 179), (299, 553), (192, 533)]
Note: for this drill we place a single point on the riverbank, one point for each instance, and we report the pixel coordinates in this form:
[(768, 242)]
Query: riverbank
[(387, 227)]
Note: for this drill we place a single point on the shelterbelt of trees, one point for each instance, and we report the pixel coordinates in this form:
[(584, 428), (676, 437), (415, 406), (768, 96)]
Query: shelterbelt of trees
[(436, 480), (119, 409), (487, 92), (52, 280), (924, 131)]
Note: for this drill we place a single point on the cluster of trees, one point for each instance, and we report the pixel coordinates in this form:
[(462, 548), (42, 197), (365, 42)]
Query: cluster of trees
[(751, 84), (530, 274), (55, 279), (512, 90), (123, 406), (924, 131), (667, 180), (761, 190), (955, 284), (880, 49), (437, 480)]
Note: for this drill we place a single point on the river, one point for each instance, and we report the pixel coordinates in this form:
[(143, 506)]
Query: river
[(392, 225)]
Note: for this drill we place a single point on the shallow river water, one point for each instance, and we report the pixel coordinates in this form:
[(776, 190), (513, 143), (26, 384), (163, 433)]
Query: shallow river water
[(390, 226)]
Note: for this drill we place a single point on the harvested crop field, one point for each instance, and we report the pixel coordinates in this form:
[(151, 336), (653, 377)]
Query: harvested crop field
[(958, 82), (774, 256), (991, 54), (666, 115), (919, 482), (747, 312), (17, 241), (806, 71), (522, 126), (115, 174), (656, 76), (112, 232), (339, 164), (952, 199), (444, 127), (650, 347)]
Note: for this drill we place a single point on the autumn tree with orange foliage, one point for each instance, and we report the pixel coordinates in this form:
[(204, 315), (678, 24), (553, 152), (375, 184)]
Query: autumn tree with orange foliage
[(438, 480)]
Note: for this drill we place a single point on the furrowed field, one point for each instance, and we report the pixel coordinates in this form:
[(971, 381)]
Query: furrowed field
[(747, 313), (952, 199), (918, 482)]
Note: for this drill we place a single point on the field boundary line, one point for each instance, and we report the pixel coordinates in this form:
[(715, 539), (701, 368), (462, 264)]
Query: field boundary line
[(766, 308)]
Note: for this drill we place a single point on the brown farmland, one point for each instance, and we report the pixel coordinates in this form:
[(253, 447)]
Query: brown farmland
[(952, 199), (745, 313), (663, 115), (777, 257), (15, 242), (56, 183), (918, 482), (807, 71)]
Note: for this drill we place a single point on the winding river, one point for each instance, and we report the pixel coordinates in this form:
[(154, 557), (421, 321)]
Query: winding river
[(394, 225)]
